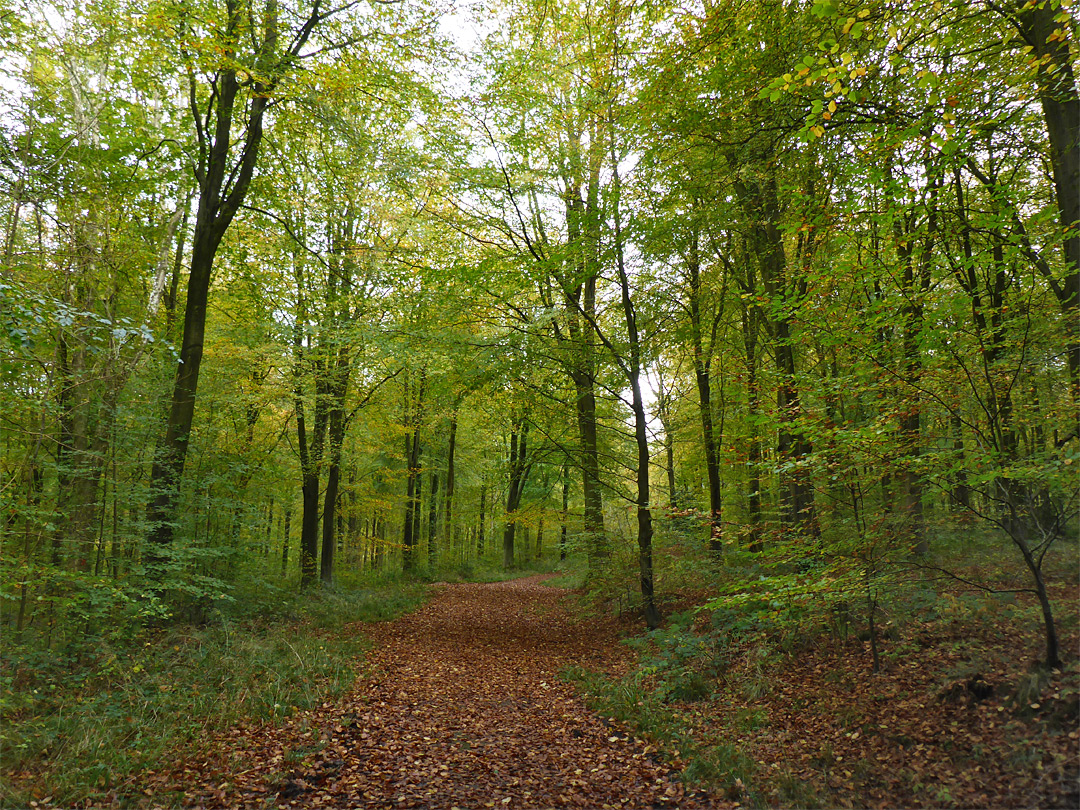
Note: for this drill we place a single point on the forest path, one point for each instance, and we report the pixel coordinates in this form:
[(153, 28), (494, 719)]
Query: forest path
[(461, 705)]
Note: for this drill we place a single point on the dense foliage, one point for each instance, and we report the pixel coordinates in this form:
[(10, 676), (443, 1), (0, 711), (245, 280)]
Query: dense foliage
[(782, 292)]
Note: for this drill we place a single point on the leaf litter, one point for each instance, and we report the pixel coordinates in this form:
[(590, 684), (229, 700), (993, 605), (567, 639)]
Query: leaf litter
[(459, 704)]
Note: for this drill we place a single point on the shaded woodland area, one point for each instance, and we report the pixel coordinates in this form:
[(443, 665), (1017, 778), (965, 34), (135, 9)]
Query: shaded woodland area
[(757, 320)]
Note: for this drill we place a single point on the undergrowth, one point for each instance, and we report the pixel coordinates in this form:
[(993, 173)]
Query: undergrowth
[(80, 723), (730, 688), (635, 700)]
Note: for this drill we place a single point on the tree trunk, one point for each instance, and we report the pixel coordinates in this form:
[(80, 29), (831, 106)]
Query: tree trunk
[(412, 475), (268, 536), (480, 528), (961, 492), (702, 366), (169, 459), (641, 436), (565, 509), (753, 450), (169, 298), (310, 447), (336, 393), (408, 540), (669, 466), (380, 543), (330, 498), (762, 204), (578, 283), (218, 203), (540, 537), (915, 284), (418, 499), (1016, 522), (433, 521), (76, 477), (1056, 80), (448, 498), (663, 411), (518, 470), (285, 532), (357, 528), (592, 494), (309, 530), (223, 182)]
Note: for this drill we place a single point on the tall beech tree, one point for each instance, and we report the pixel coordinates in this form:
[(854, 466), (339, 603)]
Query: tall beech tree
[(518, 466), (633, 367), (1049, 31), (564, 251), (235, 58)]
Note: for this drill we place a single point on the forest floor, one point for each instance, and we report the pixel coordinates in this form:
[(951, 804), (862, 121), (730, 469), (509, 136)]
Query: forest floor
[(475, 700), (460, 703), (959, 715)]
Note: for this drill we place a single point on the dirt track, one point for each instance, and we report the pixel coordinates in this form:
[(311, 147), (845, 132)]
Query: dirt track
[(461, 706)]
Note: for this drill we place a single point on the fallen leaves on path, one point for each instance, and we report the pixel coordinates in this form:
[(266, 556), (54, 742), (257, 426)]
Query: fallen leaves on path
[(461, 705)]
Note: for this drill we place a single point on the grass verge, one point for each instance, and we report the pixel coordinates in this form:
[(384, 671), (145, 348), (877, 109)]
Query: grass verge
[(80, 725), (706, 760)]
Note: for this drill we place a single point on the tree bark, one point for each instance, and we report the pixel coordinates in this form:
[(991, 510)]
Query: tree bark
[(214, 215), (310, 445), (330, 499), (1056, 81), (761, 203), (336, 394), (702, 371), (413, 421), (578, 285), (641, 437), (448, 498), (540, 536), (663, 406), (285, 532), (433, 520), (961, 492), (753, 410), (518, 473), (268, 536), (480, 527), (916, 267), (565, 510)]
